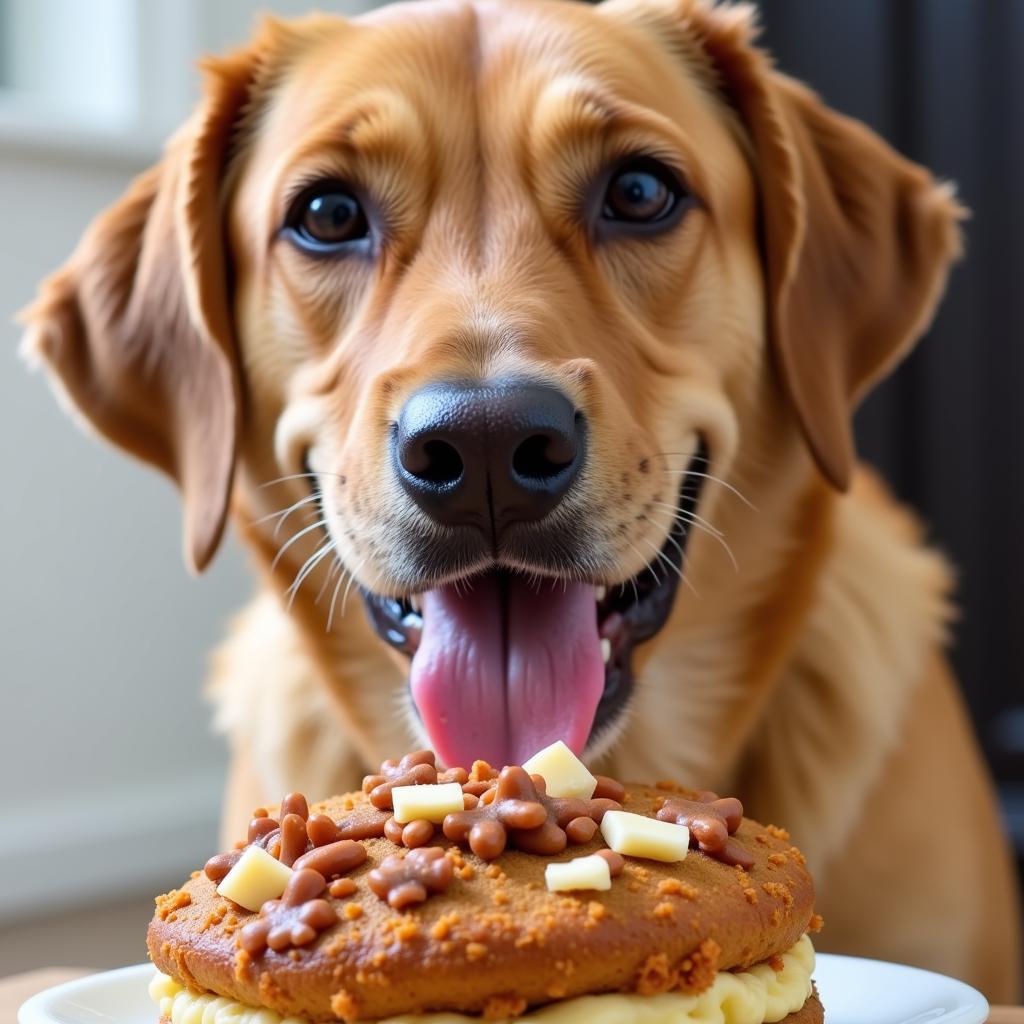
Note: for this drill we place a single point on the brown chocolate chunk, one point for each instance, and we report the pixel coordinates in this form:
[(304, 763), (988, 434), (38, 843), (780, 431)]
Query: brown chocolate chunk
[(402, 880), (260, 827), (711, 822), (609, 789), (412, 835), (517, 811), (218, 866), (364, 823), (292, 921), (294, 840), (294, 803), (333, 859), (284, 837), (616, 862), (415, 769)]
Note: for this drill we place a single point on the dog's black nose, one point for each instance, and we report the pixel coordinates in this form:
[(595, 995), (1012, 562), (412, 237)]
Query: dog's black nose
[(488, 454)]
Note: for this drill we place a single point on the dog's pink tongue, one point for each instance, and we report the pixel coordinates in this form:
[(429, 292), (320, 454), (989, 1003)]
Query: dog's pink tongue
[(505, 668)]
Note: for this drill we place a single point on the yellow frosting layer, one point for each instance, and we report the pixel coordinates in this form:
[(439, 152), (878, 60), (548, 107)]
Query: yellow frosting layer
[(760, 995)]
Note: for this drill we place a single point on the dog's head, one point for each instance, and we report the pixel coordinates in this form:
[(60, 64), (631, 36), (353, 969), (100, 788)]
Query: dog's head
[(515, 291)]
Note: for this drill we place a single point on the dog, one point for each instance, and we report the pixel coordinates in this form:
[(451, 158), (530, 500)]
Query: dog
[(536, 328)]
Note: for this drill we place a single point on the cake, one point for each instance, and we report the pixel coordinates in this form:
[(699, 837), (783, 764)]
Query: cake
[(539, 893)]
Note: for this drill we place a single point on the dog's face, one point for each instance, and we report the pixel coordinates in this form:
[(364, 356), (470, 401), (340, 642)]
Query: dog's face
[(512, 291)]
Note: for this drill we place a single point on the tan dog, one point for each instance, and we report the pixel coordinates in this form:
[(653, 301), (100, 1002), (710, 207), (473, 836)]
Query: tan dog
[(505, 293)]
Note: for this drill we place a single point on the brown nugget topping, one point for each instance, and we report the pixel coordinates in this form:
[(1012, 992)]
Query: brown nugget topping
[(404, 880), (293, 839), (334, 859), (475, 951), (364, 823), (517, 810), (609, 789), (294, 920), (294, 803), (416, 769), (816, 923), (776, 964), (412, 836), (616, 862), (711, 822), (777, 833), (284, 838)]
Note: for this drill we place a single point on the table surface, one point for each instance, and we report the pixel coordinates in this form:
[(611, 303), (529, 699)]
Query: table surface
[(16, 989)]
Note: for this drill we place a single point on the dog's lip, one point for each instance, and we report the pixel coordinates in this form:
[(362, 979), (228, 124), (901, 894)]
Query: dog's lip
[(628, 613)]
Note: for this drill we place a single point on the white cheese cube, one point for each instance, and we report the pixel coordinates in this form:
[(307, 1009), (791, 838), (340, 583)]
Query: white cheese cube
[(564, 773), (256, 878), (582, 873), (634, 835), (432, 803)]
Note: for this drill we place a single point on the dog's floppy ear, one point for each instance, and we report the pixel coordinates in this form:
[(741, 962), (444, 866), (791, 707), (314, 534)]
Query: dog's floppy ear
[(136, 327), (857, 240)]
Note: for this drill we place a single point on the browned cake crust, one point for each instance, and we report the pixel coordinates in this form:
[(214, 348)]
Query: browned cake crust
[(812, 1012), (497, 936)]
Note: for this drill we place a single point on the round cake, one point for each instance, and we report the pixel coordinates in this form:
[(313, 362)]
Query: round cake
[(442, 896)]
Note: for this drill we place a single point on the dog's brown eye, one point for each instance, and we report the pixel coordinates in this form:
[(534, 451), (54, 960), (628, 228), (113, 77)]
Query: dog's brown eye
[(641, 192), (328, 219)]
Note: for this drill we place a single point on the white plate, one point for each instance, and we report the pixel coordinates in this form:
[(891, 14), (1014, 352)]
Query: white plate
[(853, 992)]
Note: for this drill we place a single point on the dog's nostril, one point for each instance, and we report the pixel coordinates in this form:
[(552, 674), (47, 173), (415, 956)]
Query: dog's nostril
[(542, 456), (438, 463)]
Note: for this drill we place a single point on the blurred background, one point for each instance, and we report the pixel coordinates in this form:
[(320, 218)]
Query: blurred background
[(105, 638)]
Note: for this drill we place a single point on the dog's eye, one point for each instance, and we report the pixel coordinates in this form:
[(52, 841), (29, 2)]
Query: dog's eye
[(328, 219), (642, 191)]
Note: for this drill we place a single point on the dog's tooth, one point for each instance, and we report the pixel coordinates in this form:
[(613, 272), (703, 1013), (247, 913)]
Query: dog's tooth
[(414, 601), (600, 593), (606, 650)]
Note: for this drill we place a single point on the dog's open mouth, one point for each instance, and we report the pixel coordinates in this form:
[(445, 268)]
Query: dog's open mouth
[(504, 663)]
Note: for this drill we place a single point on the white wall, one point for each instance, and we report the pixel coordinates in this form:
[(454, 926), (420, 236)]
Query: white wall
[(105, 745)]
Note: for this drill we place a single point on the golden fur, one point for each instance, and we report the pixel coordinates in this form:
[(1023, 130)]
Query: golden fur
[(809, 679)]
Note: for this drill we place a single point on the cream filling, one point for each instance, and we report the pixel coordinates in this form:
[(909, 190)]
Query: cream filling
[(758, 995)]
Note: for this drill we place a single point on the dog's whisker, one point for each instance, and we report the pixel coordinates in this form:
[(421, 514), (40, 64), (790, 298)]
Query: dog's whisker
[(285, 511), (348, 586), (674, 568), (300, 476), (280, 554), (715, 479), (334, 596), (328, 579), (310, 564), (686, 516), (649, 567), (702, 524)]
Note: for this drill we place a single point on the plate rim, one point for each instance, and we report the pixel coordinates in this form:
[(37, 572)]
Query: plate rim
[(35, 1009)]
